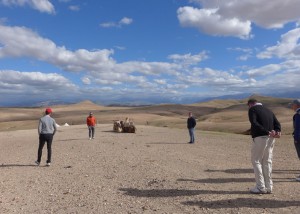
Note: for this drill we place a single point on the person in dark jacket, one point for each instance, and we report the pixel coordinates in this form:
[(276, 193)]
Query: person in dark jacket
[(296, 124), (264, 129), (46, 131), (191, 124)]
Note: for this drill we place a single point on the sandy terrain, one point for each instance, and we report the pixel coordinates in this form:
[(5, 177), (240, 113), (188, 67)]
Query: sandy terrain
[(152, 171), (228, 116)]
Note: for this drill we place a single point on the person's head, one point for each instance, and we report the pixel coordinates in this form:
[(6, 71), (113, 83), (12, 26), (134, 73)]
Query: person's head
[(251, 102), (295, 104), (91, 114), (190, 114), (48, 111)]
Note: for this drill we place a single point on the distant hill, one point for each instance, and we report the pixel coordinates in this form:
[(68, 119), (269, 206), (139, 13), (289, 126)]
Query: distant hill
[(215, 115), (147, 102)]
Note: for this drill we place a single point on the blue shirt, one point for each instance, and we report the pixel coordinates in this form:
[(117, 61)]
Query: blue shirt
[(296, 123)]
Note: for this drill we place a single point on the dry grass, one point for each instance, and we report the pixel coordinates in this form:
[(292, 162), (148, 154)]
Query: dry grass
[(217, 115)]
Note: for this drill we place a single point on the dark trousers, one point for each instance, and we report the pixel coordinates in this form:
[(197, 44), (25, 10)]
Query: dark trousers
[(45, 138), (91, 131), (297, 145)]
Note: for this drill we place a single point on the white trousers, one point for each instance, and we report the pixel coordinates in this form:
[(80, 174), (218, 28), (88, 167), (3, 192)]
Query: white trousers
[(261, 158)]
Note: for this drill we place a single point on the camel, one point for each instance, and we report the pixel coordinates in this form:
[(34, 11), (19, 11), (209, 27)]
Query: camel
[(127, 126), (117, 126)]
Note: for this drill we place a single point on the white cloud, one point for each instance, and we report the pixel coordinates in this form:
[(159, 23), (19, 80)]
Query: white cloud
[(27, 83), (123, 21), (212, 78), (120, 47), (279, 82), (22, 42), (210, 22), (74, 7), (234, 18), (108, 24), (264, 70), (98, 71), (248, 53), (148, 68), (18, 42), (288, 47), (267, 14), (160, 81), (86, 80), (189, 59), (114, 78), (44, 6)]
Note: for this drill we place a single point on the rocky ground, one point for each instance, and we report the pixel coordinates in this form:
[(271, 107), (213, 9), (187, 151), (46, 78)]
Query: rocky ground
[(152, 171)]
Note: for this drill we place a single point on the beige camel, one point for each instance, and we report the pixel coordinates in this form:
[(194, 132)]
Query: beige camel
[(127, 126)]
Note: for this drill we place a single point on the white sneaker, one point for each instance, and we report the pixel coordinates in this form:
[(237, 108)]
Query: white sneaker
[(37, 163), (269, 191), (48, 164), (298, 178), (90, 138), (255, 190)]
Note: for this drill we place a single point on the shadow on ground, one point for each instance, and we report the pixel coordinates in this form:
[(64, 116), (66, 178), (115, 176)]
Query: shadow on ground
[(250, 170), (243, 202), (219, 180), (17, 165), (218, 204), (173, 192)]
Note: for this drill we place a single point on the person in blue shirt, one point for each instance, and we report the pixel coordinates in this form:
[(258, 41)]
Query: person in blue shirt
[(191, 123), (296, 124)]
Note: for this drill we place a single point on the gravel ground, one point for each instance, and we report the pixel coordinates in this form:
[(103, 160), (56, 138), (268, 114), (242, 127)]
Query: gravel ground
[(152, 171)]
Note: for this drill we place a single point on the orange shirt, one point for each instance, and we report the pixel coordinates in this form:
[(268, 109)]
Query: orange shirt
[(91, 121)]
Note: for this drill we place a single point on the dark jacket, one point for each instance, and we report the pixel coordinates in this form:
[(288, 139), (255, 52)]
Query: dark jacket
[(191, 122), (296, 124), (262, 121)]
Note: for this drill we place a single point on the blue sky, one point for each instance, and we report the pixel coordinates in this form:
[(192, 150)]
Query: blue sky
[(146, 51)]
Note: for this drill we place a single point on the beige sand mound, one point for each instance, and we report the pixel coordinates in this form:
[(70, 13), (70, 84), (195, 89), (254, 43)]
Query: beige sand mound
[(152, 171)]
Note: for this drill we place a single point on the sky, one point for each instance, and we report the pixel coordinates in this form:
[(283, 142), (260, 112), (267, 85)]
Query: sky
[(146, 51)]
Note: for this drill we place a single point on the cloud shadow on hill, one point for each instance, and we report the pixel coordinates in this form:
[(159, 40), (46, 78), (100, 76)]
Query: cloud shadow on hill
[(243, 202)]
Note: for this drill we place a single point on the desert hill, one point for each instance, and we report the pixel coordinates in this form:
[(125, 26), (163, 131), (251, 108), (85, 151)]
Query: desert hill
[(216, 115)]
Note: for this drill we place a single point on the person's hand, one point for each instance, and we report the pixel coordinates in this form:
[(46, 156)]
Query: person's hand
[(277, 135), (274, 134)]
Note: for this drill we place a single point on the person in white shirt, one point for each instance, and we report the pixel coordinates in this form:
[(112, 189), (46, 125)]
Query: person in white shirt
[(46, 131)]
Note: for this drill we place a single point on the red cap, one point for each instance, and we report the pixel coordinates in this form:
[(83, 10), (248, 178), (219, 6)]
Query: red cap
[(48, 110)]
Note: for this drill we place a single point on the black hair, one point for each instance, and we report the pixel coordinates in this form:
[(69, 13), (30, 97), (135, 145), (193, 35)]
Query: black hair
[(251, 101)]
